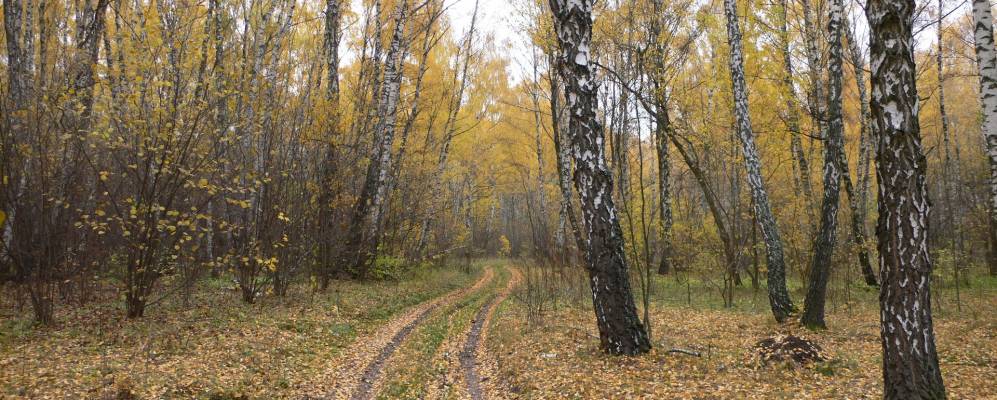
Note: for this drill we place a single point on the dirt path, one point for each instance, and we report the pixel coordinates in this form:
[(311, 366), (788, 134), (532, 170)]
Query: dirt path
[(470, 356), (372, 355)]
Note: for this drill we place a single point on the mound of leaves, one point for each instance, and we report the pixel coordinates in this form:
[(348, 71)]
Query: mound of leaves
[(782, 348)]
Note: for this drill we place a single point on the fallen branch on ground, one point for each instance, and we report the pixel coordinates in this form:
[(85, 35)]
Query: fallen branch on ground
[(684, 351)]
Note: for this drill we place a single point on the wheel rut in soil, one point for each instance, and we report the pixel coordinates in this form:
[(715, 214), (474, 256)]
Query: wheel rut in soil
[(469, 355), (398, 330)]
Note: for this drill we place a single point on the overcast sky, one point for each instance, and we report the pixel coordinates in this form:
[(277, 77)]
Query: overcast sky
[(497, 17)]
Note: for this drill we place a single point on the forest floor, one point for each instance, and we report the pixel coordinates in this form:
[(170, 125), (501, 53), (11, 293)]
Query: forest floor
[(553, 353), (214, 346), (488, 331)]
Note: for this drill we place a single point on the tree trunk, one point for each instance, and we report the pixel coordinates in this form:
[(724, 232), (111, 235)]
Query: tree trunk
[(859, 201), (449, 131), (333, 14), (662, 132), (802, 177), (910, 361), (712, 201), (620, 329), (18, 80), (813, 310), (986, 59), (365, 225), (541, 246), (782, 305), (563, 153)]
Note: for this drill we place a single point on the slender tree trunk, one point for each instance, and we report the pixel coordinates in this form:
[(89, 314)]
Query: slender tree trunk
[(810, 31), (542, 246), (813, 310), (662, 132), (986, 59), (859, 200), (333, 15), (620, 329), (953, 228), (711, 198), (449, 131), (563, 152), (910, 361), (782, 305), (802, 178), (364, 228), (17, 86)]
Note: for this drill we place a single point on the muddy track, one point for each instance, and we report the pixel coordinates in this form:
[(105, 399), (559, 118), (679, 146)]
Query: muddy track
[(469, 355), (382, 348)]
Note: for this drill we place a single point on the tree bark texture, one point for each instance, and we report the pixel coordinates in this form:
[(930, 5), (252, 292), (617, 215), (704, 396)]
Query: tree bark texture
[(782, 305), (620, 329), (910, 361)]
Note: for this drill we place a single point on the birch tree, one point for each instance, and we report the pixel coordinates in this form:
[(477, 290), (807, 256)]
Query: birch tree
[(910, 361), (662, 132), (620, 330), (801, 165), (820, 271), (364, 233), (781, 304), (859, 197), (460, 81), (986, 60), (562, 151), (332, 37)]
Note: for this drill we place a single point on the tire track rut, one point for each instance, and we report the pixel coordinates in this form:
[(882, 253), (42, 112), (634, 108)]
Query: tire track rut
[(375, 353), (469, 356)]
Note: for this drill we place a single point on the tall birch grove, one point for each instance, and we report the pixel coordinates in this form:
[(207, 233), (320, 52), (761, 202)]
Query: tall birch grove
[(497, 199)]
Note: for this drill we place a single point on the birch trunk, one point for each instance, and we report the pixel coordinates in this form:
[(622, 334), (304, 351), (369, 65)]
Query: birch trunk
[(449, 130), (333, 15), (802, 177), (542, 246), (986, 59), (365, 224), (662, 133), (782, 305), (820, 271), (17, 85), (948, 179), (563, 152), (620, 329), (859, 201), (910, 361)]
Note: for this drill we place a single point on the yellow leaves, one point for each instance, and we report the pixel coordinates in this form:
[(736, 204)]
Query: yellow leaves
[(202, 183), (240, 203), (103, 176), (3, 217), (268, 263)]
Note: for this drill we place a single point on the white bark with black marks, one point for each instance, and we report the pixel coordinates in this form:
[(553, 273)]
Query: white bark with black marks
[(910, 361), (820, 270), (365, 227), (620, 329), (779, 299), (986, 59)]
